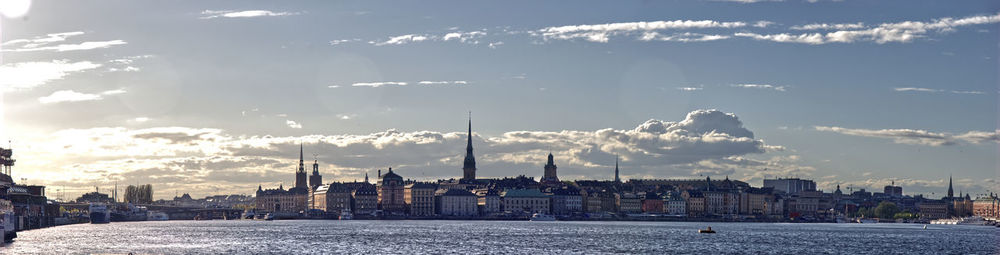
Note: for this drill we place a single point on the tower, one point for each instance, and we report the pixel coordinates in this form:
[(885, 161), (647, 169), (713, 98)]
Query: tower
[(951, 192), (469, 168), (300, 174), (549, 176), (315, 180), (617, 180)]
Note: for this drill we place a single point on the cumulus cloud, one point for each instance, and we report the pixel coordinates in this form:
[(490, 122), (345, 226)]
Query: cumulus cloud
[(760, 86), (914, 89), (681, 37), (899, 32), (602, 32), (26, 75), (293, 124), (210, 14), (918, 137), (73, 96), (190, 158)]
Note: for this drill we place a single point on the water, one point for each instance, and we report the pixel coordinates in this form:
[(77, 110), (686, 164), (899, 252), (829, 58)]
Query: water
[(476, 237)]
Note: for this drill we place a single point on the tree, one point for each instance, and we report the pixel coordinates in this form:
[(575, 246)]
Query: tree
[(886, 210)]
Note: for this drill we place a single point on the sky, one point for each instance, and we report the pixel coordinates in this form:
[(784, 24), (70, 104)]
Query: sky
[(215, 97)]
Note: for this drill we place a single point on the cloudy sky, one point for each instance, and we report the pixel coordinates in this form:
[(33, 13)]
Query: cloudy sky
[(214, 97)]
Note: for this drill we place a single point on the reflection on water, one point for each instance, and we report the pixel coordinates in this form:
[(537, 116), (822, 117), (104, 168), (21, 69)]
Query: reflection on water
[(315, 237)]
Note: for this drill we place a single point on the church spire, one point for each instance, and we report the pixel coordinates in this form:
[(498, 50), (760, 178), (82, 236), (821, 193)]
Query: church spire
[(951, 192), (616, 170), (469, 168)]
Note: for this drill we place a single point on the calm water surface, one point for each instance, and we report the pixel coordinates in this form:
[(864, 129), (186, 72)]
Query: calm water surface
[(331, 237)]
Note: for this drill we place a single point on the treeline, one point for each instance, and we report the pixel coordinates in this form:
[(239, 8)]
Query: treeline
[(142, 194)]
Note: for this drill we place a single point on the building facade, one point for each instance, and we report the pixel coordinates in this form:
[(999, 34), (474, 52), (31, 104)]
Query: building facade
[(390, 194), (420, 197), (525, 200), (456, 202)]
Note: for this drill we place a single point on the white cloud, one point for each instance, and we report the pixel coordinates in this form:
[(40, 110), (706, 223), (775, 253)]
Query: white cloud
[(73, 96), (689, 88), (41, 40), (602, 32), (72, 47), (342, 41), (763, 24), (293, 124), (403, 39), (140, 119), (918, 137), (825, 26), (914, 89), (462, 37), (681, 37), (494, 45), (760, 86), (899, 32), (442, 82), (68, 96), (26, 75), (378, 84), (210, 14)]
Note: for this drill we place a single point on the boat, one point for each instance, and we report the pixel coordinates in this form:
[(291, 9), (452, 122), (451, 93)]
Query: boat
[(867, 220), (974, 220), (542, 217), (99, 213), (345, 214), (269, 216), (157, 216), (706, 231)]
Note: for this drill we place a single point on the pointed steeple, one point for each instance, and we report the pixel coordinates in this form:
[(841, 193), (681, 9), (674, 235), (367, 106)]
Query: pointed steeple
[(302, 166), (616, 170), (469, 166), (366, 177), (951, 192)]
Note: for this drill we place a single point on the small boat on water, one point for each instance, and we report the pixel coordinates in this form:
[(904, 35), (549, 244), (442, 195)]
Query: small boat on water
[(269, 216), (542, 217), (867, 220), (248, 215), (706, 231), (157, 216), (974, 220)]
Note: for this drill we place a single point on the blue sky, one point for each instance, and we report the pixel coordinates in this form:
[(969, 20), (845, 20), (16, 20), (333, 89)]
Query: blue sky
[(208, 97)]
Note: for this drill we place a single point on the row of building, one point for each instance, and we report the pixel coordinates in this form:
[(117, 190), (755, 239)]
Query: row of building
[(469, 196)]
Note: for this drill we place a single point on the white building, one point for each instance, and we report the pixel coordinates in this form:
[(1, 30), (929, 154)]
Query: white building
[(456, 202)]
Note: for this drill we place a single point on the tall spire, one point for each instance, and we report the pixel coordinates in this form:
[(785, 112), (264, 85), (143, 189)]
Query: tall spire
[(300, 173), (469, 168), (616, 170), (951, 192)]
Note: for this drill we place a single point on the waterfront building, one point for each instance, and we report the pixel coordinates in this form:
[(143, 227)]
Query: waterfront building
[(488, 201), (94, 197), (549, 175), (338, 198), (675, 205), (628, 202), (652, 203), (525, 200), (986, 206), (592, 201), (364, 199), (420, 197), (315, 180), (757, 201), (804, 203), (293, 200), (390, 193), (695, 202), (469, 165), (790, 185), (933, 209), (317, 198), (566, 201), (456, 202)]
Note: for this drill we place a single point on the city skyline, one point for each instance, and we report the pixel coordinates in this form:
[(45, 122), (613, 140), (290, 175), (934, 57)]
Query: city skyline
[(214, 98)]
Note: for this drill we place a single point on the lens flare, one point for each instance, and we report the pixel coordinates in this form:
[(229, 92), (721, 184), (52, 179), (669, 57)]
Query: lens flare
[(14, 8)]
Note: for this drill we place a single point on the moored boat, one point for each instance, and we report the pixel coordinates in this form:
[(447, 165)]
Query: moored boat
[(542, 217), (706, 231), (99, 213)]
